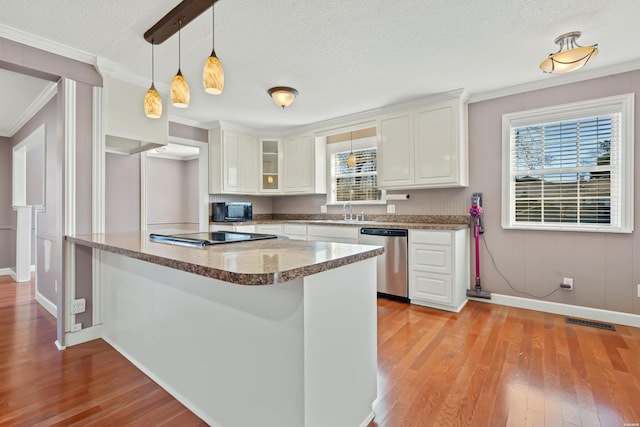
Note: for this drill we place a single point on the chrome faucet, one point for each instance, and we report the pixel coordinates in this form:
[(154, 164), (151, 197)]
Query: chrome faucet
[(344, 211)]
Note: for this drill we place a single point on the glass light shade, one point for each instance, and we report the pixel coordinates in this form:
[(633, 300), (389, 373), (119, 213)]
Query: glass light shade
[(180, 95), (283, 96), (351, 160), (568, 60), (152, 103), (213, 75)]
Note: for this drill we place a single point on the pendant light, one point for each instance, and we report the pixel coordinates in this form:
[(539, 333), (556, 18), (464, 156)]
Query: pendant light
[(571, 55), (351, 160), (152, 100), (180, 94), (213, 74)]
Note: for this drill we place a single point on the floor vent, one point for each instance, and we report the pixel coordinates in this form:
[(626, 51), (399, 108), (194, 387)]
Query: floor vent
[(592, 324)]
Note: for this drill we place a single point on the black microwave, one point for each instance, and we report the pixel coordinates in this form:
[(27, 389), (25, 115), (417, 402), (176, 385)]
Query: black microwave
[(231, 211)]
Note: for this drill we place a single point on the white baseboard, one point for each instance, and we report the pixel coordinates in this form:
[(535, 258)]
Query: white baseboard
[(48, 305), (59, 347), (83, 335), (179, 397), (597, 314), (11, 272), (367, 420)]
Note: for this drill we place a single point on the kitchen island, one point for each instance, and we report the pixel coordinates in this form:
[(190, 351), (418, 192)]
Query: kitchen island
[(271, 332)]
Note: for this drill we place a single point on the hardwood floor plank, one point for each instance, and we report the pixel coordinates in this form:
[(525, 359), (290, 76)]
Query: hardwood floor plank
[(486, 366)]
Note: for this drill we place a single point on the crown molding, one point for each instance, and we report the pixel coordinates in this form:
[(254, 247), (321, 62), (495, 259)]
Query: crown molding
[(45, 44), (45, 96), (557, 80)]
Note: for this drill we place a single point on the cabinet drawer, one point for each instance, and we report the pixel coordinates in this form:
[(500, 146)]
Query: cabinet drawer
[(300, 229), (431, 237), (431, 287), (434, 258), (328, 233), (269, 229)]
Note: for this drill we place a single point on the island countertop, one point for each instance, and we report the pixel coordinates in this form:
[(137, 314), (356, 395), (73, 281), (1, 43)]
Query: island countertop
[(262, 262)]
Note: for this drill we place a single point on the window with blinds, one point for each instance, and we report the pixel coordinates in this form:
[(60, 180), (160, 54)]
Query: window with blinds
[(359, 183), (571, 172)]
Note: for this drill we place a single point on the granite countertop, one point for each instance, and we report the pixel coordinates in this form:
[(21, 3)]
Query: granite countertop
[(261, 262), (415, 223)]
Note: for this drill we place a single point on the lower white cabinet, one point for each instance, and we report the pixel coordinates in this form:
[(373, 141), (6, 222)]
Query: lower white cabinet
[(295, 231), (240, 228), (332, 233), (269, 229), (439, 268)]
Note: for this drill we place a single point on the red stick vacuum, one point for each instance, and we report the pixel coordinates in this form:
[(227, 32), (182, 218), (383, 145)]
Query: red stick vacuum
[(476, 216)]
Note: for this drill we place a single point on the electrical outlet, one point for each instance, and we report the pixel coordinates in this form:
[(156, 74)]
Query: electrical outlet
[(639, 290), (76, 327), (567, 283), (391, 208), (78, 306), (323, 208)]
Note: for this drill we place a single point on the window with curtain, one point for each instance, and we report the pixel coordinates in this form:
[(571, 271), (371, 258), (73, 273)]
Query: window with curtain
[(570, 167)]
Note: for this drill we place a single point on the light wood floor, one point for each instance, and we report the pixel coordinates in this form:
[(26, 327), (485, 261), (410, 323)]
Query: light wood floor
[(487, 366)]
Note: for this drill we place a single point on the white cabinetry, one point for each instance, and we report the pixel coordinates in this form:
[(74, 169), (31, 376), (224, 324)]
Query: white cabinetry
[(304, 165), (233, 162), (424, 147), (239, 228), (269, 229), (439, 268), (271, 158), (295, 231), (332, 233)]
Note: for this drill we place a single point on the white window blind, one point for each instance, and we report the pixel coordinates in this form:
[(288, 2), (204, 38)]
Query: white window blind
[(571, 173), (359, 183)]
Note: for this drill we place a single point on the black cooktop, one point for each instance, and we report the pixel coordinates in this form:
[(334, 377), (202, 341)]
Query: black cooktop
[(208, 238)]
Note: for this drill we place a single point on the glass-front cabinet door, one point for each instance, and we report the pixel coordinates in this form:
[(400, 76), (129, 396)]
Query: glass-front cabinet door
[(271, 165)]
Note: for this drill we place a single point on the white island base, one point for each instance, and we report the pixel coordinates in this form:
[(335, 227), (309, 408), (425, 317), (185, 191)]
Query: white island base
[(300, 353)]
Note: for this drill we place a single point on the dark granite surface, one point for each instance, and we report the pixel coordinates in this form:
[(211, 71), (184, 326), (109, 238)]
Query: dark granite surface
[(416, 222), (261, 262)]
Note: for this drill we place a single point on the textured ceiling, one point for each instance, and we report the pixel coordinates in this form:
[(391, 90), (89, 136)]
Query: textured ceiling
[(18, 94), (343, 56)]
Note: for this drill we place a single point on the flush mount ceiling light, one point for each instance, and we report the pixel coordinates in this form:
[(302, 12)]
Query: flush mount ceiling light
[(571, 55), (152, 100), (180, 94), (283, 95), (213, 74)]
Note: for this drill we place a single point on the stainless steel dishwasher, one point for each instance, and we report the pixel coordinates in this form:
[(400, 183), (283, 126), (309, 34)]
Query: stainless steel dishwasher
[(392, 265)]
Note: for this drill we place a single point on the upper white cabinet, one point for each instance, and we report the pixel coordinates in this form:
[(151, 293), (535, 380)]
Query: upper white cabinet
[(395, 150), (233, 162), (424, 147), (271, 158), (304, 165)]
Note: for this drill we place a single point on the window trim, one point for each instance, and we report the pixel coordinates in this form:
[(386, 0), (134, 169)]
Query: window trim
[(339, 147), (623, 104)]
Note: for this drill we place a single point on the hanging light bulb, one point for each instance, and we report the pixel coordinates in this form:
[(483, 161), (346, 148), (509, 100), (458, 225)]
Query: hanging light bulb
[(152, 100), (213, 74), (180, 95), (351, 160)]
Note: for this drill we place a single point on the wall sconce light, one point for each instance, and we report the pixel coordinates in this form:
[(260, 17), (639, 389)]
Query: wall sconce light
[(283, 95), (152, 100), (571, 55)]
